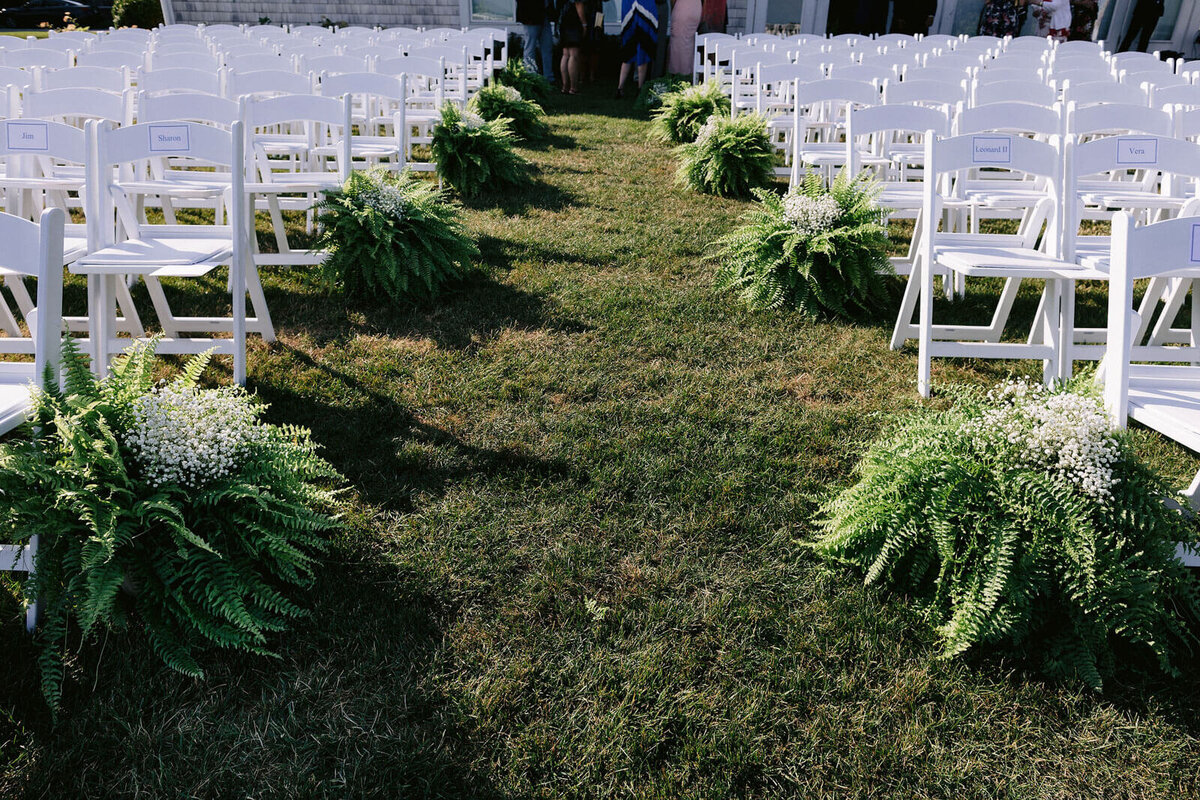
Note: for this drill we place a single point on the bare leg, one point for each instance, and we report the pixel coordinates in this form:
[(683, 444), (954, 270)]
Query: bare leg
[(642, 70), (576, 67), (624, 76)]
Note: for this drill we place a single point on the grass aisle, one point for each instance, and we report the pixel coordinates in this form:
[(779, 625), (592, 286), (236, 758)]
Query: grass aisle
[(572, 569)]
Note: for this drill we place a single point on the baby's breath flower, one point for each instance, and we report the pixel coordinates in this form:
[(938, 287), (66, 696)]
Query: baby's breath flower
[(1067, 434), (707, 129), (811, 215), (510, 94), (471, 121), (192, 437), (385, 198)]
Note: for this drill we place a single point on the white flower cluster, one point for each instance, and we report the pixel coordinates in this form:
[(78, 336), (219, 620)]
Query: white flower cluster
[(510, 94), (811, 215), (386, 198), (707, 129), (471, 120), (191, 437), (1065, 433)]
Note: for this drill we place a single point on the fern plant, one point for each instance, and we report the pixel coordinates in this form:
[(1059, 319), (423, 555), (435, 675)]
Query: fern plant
[(208, 557), (497, 100), (816, 250), (391, 235), (532, 85), (682, 113), (730, 157), (1023, 523), (475, 156), (650, 96)]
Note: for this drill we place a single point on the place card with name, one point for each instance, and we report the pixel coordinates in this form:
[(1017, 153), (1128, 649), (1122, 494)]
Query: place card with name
[(170, 139), (1194, 257), (1137, 150), (991, 149), (28, 136)]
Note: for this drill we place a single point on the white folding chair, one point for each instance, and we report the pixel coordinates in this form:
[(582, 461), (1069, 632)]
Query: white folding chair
[(182, 79), (93, 77), (1012, 257), (157, 251), (290, 183), (265, 82), (31, 249), (1164, 397)]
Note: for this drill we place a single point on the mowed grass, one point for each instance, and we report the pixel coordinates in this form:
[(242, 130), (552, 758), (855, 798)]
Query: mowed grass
[(572, 566)]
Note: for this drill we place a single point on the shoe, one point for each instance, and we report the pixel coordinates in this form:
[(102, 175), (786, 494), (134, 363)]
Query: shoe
[(620, 94)]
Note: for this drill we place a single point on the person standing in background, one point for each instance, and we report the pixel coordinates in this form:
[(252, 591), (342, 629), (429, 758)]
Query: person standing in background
[(594, 39), (913, 16), (536, 16), (685, 20), (572, 30), (1083, 20), (1059, 12), (1145, 19), (715, 18), (1002, 18), (639, 40)]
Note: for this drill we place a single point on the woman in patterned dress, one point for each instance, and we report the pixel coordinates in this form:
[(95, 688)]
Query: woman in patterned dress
[(1002, 18), (639, 38)]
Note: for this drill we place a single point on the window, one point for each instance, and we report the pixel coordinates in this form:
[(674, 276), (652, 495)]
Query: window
[(493, 10)]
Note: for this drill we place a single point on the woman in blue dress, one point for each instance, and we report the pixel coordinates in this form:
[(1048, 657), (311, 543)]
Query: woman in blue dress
[(639, 38)]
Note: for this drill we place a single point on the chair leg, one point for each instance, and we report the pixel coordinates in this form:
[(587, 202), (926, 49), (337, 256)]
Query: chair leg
[(1066, 330), (903, 329), (258, 302), (162, 308), (1000, 318), (925, 338)]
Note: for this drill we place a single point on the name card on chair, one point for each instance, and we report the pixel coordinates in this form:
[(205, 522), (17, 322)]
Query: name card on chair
[(1137, 150), (1194, 256), (991, 149), (170, 139), (28, 136)]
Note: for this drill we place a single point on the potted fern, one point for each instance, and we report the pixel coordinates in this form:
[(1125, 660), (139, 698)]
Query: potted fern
[(682, 113), (650, 96), (496, 100), (532, 85), (729, 158), (167, 507), (817, 250), (1022, 522), (475, 156), (393, 236)]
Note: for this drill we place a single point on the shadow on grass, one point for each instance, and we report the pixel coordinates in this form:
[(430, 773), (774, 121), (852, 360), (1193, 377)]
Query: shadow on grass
[(389, 455), (352, 677), (553, 141), (501, 254), (519, 200)]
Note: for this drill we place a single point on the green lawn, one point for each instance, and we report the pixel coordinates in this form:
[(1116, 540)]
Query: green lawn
[(572, 566)]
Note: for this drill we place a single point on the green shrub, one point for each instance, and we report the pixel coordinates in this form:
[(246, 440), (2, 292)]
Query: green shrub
[(137, 13), (681, 114), (730, 157), (813, 250), (496, 100), (393, 236), (475, 156), (168, 507), (650, 96), (529, 83), (1022, 522)]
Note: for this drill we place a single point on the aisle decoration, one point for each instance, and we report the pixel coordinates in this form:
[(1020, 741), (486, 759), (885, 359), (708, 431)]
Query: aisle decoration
[(682, 114), (1023, 522), (650, 96), (497, 100), (475, 156), (532, 85), (817, 250), (730, 157), (392, 236), (165, 507)]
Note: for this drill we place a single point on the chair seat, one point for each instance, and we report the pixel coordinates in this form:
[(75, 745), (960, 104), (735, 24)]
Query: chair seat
[(1167, 399), (364, 147), (1092, 252), (1131, 198), (1004, 262), (15, 397), (180, 257), (295, 182)]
